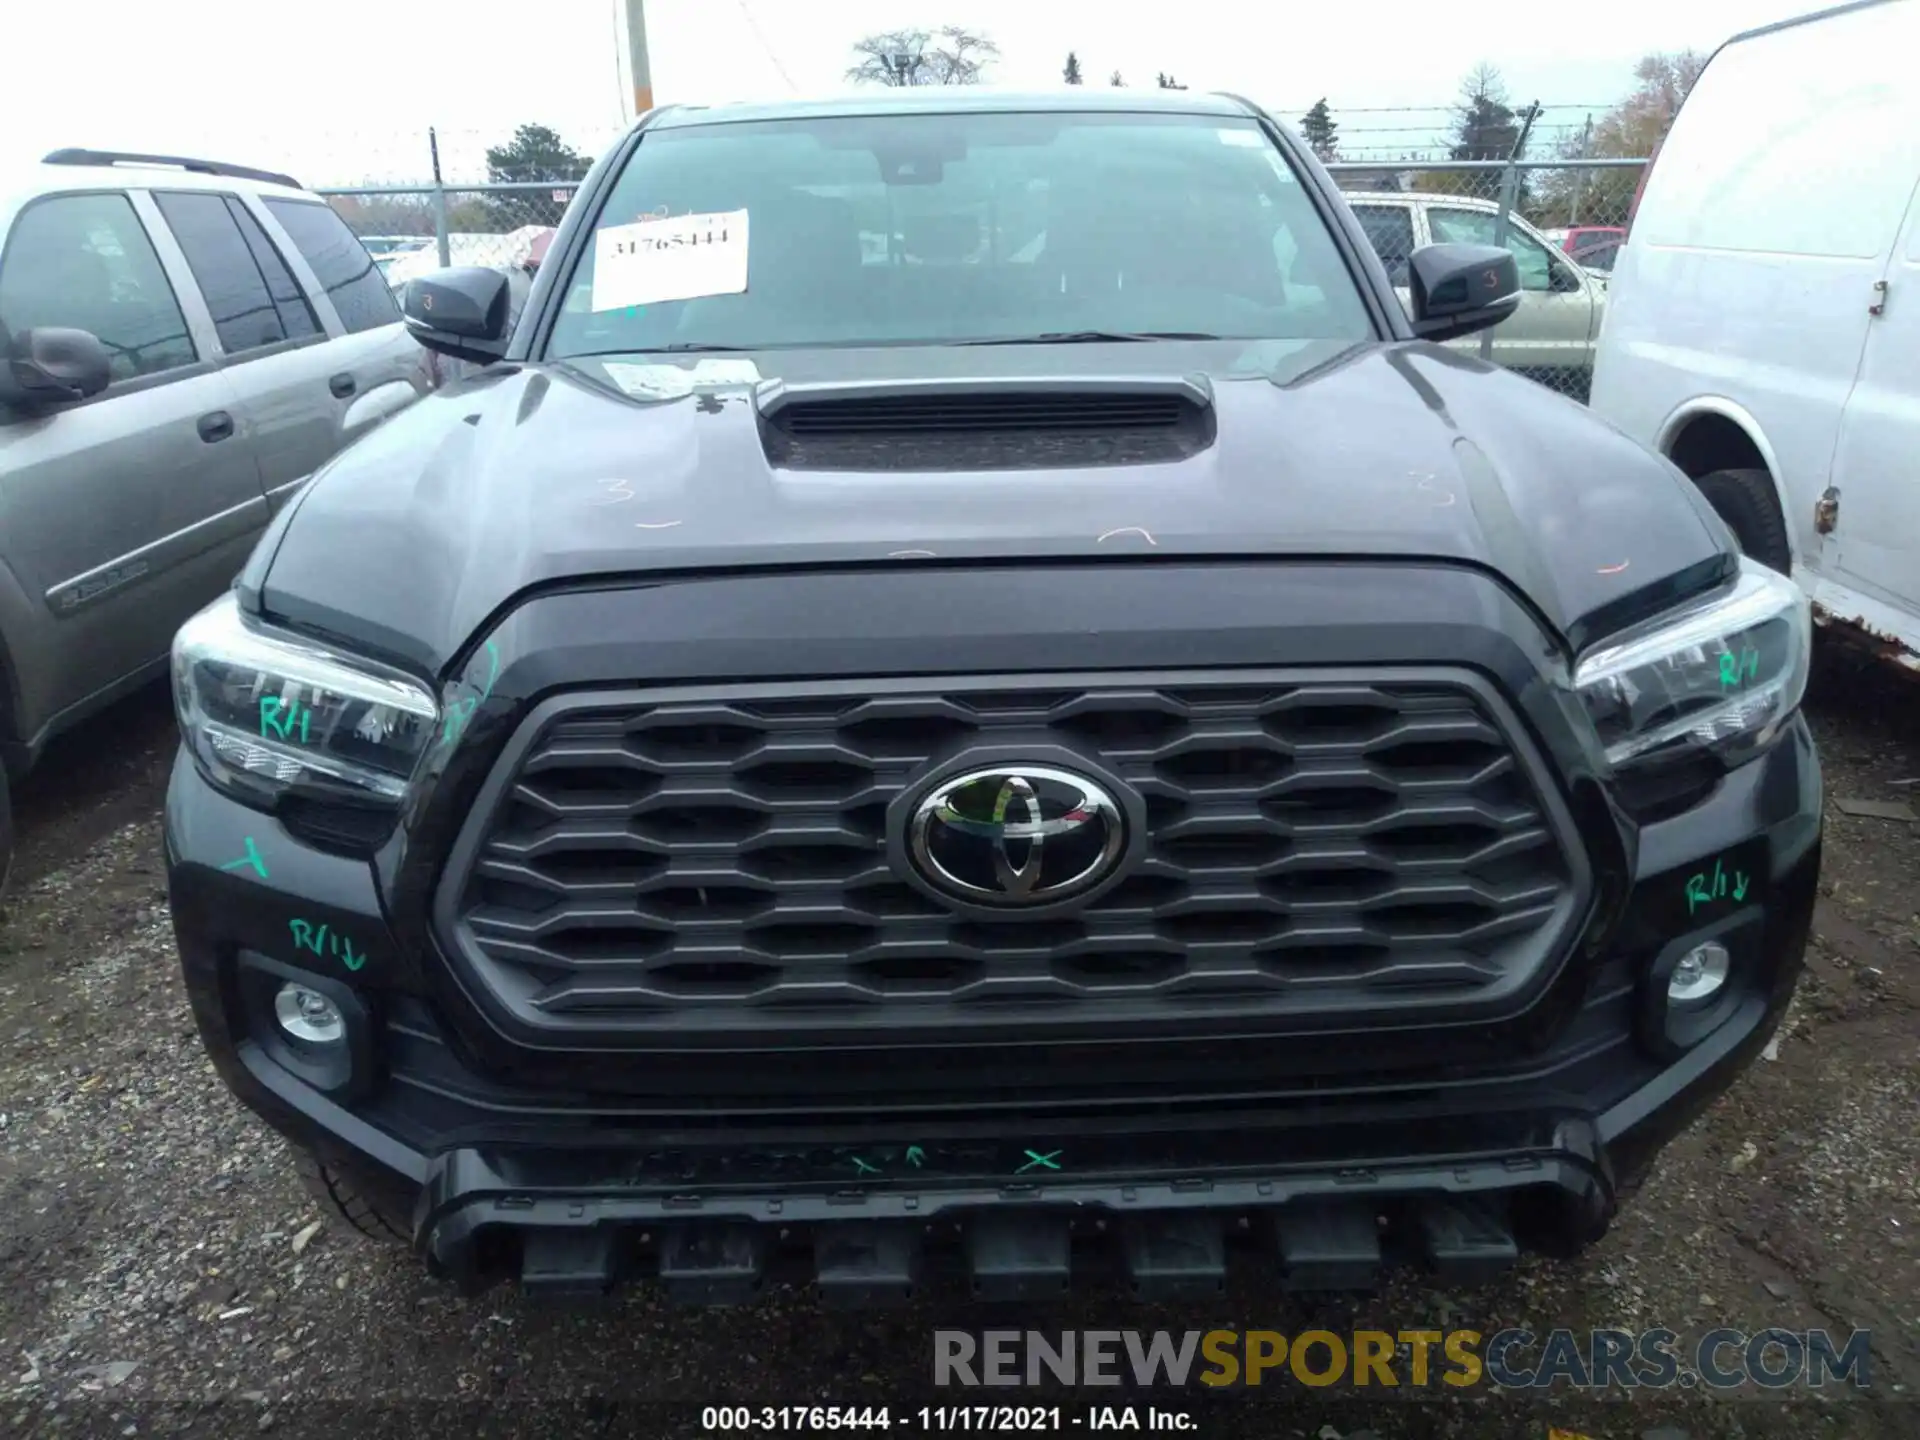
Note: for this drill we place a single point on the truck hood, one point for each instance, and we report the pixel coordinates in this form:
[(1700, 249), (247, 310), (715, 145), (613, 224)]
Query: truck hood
[(623, 467)]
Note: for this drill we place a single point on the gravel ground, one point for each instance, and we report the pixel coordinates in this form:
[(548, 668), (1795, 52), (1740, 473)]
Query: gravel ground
[(162, 1271)]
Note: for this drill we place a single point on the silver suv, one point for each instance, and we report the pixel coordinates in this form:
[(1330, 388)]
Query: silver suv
[(181, 344), (1552, 335)]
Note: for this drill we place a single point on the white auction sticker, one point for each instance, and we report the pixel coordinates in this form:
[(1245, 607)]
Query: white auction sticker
[(671, 382), (682, 257)]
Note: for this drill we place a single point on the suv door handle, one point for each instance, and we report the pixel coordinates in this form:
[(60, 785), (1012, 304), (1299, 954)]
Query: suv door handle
[(341, 385), (216, 426)]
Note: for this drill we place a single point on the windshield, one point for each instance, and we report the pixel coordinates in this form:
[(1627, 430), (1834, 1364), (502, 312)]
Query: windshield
[(948, 228)]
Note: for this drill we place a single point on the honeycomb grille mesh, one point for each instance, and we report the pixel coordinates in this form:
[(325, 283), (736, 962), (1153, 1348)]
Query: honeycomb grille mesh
[(1329, 842)]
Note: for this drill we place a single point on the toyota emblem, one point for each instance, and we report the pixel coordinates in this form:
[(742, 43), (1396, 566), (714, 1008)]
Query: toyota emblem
[(1007, 835)]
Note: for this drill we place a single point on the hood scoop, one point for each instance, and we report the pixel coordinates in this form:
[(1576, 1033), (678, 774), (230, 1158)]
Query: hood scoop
[(998, 422)]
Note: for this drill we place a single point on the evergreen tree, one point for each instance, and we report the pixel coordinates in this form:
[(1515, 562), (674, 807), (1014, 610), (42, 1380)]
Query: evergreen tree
[(1321, 130)]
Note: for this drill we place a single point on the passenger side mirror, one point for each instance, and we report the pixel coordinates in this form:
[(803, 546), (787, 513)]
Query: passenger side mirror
[(1461, 289), (462, 312), (53, 365)]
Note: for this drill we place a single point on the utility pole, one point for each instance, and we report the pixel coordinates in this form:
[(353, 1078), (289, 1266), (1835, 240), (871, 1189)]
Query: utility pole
[(1509, 197), (441, 242), (637, 65)]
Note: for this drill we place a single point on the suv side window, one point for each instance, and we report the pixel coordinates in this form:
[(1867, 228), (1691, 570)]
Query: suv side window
[(244, 313), (345, 270), (296, 315), (1476, 227), (1390, 229), (85, 261)]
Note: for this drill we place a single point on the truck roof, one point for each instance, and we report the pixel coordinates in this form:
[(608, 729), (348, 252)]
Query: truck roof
[(1807, 19)]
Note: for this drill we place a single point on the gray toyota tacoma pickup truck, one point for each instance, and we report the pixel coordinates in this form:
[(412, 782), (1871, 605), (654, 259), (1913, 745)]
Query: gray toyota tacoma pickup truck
[(968, 698)]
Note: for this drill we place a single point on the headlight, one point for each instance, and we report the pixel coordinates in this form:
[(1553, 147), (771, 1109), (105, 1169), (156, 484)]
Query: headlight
[(268, 714), (1722, 676)]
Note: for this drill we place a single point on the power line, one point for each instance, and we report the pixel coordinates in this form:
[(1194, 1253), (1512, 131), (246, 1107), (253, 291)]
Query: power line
[(1421, 109), (1423, 127), (754, 25)]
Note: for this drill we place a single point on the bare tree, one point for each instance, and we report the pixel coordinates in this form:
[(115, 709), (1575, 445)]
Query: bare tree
[(1630, 130), (1114, 79), (948, 56)]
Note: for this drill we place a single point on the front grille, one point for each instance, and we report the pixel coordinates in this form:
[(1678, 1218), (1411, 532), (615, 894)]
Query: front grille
[(719, 861)]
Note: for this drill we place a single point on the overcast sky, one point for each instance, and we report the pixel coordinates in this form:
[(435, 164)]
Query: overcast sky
[(343, 92)]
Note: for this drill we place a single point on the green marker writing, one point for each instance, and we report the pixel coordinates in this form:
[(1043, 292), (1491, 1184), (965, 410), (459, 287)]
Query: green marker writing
[(279, 721), (1736, 670), (252, 857), (1709, 886), (461, 711), (324, 940)]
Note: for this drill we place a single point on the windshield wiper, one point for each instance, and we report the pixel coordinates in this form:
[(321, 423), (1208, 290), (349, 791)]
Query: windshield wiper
[(1093, 337)]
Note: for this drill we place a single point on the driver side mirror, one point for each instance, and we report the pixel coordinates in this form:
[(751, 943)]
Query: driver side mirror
[(461, 311), (1562, 279), (53, 365), (1462, 289)]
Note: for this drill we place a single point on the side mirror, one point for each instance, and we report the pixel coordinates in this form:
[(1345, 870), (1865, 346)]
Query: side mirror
[(52, 366), (1461, 289), (462, 312)]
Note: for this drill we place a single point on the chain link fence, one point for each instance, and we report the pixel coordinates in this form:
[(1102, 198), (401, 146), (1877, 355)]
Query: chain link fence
[(1564, 221)]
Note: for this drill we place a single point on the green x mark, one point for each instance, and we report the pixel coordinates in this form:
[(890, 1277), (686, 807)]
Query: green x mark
[(1037, 1161), (251, 860), (862, 1167)]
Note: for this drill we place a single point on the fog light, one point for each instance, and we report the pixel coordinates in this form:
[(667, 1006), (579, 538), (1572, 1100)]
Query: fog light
[(309, 1016), (1699, 974)]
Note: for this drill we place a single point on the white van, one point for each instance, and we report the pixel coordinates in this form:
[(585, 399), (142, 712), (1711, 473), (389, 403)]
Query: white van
[(1763, 329)]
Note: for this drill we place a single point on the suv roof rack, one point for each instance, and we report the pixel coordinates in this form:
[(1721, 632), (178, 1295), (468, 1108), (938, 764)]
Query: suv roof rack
[(182, 162)]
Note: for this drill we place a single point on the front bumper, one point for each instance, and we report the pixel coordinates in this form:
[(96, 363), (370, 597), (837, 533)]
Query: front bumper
[(1460, 1165)]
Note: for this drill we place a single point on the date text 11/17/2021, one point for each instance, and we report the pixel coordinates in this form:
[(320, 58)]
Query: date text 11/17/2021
[(935, 1419)]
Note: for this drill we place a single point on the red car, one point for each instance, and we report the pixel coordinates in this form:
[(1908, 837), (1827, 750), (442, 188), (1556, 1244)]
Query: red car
[(1593, 247)]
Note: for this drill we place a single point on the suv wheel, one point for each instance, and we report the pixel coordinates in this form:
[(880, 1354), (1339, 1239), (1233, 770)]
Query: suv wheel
[(377, 1217), (1745, 500)]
